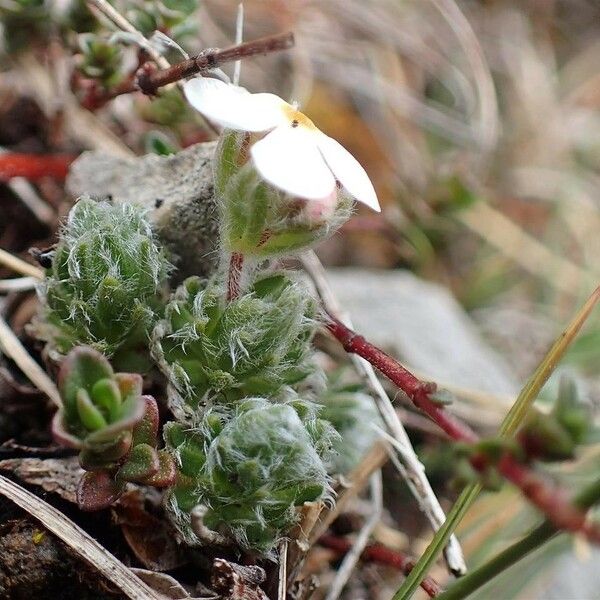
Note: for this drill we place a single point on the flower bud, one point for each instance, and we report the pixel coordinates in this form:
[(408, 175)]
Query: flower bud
[(258, 220)]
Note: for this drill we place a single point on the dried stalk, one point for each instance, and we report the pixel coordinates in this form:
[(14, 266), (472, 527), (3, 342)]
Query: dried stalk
[(239, 37), (150, 82), (20, 284), (12, 347), (80, 124), (282, 583), (28, 195), (410, 467), (19, 265), (79, 541), (354, 554), (115, 17)]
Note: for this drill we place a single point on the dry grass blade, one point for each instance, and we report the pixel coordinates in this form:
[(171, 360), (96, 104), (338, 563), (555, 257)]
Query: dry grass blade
[(31, 199), (79, 541), (239, 35), (122, 23), (525, 250), (409, 466), (12, 347), (283, 559), (488, 106), (80, 124), (19, 266), (20, 284), (350, 560)]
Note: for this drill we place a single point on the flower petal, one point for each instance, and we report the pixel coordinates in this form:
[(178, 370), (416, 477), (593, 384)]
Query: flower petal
[(234, 107), (289, 159), (348, 171)]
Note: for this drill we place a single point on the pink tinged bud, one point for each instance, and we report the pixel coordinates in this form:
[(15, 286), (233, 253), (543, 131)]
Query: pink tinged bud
[(319, 212)]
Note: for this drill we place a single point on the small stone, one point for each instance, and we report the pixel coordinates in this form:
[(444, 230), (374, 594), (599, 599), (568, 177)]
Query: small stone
[(177, 190)]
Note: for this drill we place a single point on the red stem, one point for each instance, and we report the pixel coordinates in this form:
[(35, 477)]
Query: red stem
[(34, 166), (418, 391), (236, 264), (551, 500), (381, 555)]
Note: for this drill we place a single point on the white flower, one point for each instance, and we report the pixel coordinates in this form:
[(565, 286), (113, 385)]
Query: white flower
[(294, 156)]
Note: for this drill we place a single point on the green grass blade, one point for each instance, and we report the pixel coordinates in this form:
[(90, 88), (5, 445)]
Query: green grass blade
[(508, 427)]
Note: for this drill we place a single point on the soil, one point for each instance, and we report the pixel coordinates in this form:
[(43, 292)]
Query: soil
[(35, 564)]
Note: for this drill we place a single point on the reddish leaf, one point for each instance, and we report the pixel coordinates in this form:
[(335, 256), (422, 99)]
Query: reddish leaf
[(146, 431), (98, 490), (141, 464), (151, 540), (167, 471)]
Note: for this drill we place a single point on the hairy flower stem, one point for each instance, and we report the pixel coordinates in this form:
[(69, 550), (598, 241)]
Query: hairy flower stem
[(234, 276), (381, 555), (548, 499), (476, 578)]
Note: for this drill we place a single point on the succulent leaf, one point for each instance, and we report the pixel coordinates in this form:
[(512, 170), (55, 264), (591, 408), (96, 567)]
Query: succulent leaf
[(142, 462), (213, 352), (98, 490), (115, 428), (251, 471)]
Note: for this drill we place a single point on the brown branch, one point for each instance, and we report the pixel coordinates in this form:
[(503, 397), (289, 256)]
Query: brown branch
[(149, 82), (148, 79), (551, 500), (381, 555)]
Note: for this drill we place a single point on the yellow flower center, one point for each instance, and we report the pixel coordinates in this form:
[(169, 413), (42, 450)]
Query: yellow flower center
[(297, 118)]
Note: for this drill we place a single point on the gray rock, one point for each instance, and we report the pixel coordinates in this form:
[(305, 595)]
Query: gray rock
[(572, 578), (421, 323), (176, 189)]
